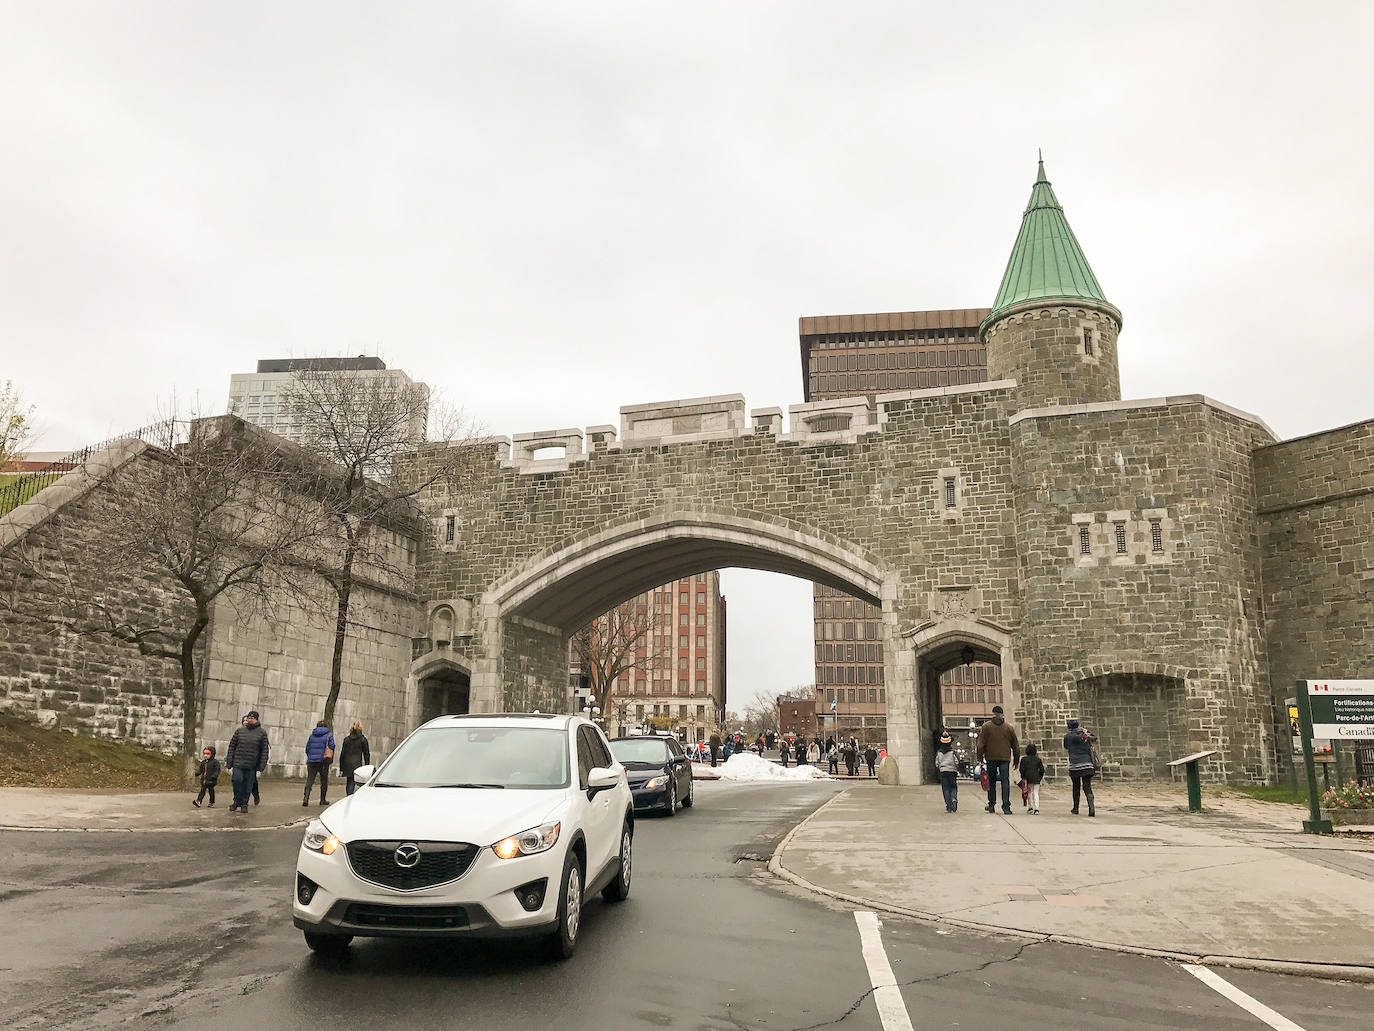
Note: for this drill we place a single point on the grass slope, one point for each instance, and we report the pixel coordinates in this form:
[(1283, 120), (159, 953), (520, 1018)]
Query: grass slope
[(33, 757)]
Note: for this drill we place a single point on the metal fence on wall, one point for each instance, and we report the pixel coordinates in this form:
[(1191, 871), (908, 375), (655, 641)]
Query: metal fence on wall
[(23, 486)]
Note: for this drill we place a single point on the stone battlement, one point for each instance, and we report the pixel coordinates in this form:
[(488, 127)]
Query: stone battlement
[(720, 417)]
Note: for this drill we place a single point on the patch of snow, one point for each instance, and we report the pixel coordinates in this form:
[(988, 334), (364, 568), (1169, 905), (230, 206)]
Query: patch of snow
[(746, 766)]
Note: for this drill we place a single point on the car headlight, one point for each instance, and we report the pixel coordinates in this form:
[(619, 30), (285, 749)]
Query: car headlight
[(657, 782), (528, 843), (319, 838)]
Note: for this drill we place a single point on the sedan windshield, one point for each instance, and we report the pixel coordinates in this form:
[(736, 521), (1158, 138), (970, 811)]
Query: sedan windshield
[(479, 757), (640, 750)]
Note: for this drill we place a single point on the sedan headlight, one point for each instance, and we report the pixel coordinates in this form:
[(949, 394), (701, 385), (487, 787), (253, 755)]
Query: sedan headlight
[(528, 843), (656, 783), (318, 838)]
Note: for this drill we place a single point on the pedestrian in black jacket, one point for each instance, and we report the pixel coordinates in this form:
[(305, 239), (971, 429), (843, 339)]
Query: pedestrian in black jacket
[(246, 758), (871, 759), (1032, 771), (353, 752), (207, 775)]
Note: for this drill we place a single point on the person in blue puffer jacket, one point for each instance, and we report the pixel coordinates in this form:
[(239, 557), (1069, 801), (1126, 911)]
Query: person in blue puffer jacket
[(319, 753)]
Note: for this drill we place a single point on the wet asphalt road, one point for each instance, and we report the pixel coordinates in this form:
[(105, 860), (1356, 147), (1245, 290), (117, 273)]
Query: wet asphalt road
[(194, 931)]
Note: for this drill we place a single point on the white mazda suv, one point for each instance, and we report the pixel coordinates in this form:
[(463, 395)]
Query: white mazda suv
[(482, 826)]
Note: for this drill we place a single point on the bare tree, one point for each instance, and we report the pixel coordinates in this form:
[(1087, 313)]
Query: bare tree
[(371, 426), (617, 643), (16, 425), (213, 508)]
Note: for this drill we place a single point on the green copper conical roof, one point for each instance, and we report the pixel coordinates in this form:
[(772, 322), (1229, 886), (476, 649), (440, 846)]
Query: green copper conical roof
[(1046, 262)]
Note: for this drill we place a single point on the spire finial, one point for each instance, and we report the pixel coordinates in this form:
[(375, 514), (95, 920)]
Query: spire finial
[(1040, 177)]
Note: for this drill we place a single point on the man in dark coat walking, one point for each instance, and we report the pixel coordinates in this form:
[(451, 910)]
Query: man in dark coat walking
[(246, 758), (999, 748), (715, 748)]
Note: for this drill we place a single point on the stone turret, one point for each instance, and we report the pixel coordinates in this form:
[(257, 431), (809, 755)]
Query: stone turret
[(1051, 328)]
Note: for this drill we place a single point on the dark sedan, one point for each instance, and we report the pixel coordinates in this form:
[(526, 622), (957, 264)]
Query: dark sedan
[(659, 772)]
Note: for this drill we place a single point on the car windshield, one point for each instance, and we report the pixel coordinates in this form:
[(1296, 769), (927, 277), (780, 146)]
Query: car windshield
[(479, 757), (640, 750)]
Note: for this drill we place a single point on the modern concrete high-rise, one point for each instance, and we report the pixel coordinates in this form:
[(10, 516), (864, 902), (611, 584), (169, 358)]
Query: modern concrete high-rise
[(257, 397), (858, 356)]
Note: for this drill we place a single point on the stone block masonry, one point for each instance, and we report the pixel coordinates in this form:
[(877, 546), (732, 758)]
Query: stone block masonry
[(1315, 498)]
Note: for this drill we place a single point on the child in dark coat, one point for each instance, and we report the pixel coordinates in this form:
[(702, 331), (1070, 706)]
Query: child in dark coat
[(1032, 773), (207, 775)]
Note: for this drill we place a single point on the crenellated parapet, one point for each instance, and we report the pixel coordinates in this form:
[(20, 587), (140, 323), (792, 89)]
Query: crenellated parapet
[(693, 420)]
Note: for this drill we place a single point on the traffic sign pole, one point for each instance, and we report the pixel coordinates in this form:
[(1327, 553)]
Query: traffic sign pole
[(1316, 825)]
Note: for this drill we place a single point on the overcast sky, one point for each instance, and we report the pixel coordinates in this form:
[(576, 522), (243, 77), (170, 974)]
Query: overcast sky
[(550, 210)]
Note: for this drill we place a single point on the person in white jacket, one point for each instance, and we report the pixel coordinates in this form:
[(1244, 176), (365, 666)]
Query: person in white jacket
[(947, 764)]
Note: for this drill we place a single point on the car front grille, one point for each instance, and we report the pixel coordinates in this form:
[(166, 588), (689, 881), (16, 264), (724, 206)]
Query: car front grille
[(439, 863), (423, 918)]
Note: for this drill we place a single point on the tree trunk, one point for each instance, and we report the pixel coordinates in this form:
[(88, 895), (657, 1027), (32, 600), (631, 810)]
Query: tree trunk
[(190, 699), (345, 591)]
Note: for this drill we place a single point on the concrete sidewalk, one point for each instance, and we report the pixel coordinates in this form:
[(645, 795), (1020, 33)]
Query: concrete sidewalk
[(46, 809), (1238, 884)]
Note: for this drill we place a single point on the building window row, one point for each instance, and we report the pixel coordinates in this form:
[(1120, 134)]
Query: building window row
[(868, 382), (984, 695), (868, 695), (908, 337), (849, 674), (847, 631), (976, 673), (891, 360), (849, 652)]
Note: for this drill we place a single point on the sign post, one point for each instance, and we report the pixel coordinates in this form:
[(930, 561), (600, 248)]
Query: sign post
[(1332, 709)]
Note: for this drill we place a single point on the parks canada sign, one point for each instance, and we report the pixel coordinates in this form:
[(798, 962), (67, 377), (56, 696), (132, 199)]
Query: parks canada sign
[(1342, 708)]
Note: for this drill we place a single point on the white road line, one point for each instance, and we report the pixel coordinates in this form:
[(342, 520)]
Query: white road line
[(886, 995), (1252, 1006)]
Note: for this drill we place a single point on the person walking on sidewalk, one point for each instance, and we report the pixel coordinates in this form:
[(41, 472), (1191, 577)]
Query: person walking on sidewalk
[(832, 752), (246, 757), (871, 758), (319, 753), (354, 752), (207, 775), (1032, 771), (715, 748), (999, 749), (947, 765), (1078, 742)]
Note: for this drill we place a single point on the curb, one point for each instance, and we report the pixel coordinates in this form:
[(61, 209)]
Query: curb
[(1329, 971), (152, 830)]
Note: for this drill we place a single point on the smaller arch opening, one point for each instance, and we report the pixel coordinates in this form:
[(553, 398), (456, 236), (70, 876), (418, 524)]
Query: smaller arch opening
[(444, 691)]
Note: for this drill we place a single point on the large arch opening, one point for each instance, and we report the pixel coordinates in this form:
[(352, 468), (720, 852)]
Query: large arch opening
[(561, 591), (962, 670)]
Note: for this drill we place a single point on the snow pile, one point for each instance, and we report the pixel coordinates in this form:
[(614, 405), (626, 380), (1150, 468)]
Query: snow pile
[(745, 766)]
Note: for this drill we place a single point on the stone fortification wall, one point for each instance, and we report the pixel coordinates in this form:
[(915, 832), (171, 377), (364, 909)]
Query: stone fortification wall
[(1161, 615), (1315, 497), (89, 684), (1057, 353), (97, 685), (280, 667)]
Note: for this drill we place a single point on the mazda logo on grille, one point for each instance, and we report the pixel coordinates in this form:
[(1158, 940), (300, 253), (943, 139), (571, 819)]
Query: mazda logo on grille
[(407, 855)]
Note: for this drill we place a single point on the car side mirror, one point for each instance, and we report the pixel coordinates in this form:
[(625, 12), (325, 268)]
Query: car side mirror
[(363, 774), (602, 778)]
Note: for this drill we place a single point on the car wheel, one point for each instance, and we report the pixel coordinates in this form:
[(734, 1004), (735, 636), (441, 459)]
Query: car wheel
[(691, 793), (333, 945), (672, 797), (619, 889), (563, 941)]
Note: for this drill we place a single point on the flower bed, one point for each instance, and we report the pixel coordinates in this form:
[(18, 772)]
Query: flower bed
[(1351, 803)]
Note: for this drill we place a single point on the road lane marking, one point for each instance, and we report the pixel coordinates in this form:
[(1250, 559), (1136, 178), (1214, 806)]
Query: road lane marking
[(1252, 1006), (886, 995)]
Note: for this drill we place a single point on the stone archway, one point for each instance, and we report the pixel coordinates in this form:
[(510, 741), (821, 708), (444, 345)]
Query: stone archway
[(934, 646)]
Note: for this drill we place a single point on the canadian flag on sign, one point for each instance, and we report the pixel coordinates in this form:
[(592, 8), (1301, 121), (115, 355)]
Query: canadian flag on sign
[(1321, 687)]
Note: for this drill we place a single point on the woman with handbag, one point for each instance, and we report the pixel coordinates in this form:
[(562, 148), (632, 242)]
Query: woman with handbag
[(319, 752), (1079, 742)]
